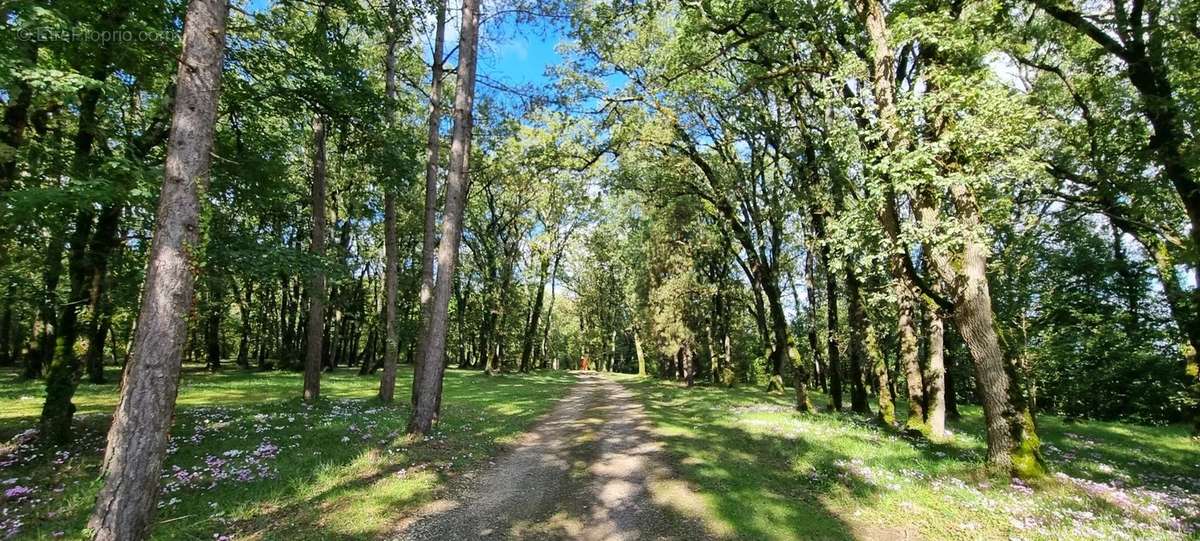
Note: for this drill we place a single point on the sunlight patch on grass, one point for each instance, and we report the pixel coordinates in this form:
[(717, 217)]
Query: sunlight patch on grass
[(769, 472), (249, 459)]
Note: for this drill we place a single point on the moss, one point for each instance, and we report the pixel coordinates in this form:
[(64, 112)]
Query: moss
[(58, 410), (775, 385), (917, 427), (887, 412), (727, 377), (1027, 461)]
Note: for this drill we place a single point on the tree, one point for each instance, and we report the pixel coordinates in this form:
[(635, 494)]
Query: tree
[(137, 440), (429, 231), (316, 285), (457, 182)]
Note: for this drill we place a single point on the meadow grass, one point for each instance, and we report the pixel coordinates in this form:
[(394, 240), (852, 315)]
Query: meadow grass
[(769, 472), (249, 460)]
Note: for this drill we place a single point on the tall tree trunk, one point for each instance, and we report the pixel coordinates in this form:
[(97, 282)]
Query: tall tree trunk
[(641, 358), (391, 245), (779, 326), (935, 375), (457, 183), (63, 374), (810, 288), (107, 241), (906, 328), (429, 244), (858, 344), (314, 349), (832, 349), (62, 378), (212, 324), (6, 326), (41, 351), (94, 359), (534, 315), (886, 392), (547, 351), (1012, 440), (461, 300), (713, 355), (243, 356), (612, 358), (137, 439), (952, 413)]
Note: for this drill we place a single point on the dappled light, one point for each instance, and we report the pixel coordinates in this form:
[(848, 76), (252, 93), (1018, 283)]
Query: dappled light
[(599, 270)]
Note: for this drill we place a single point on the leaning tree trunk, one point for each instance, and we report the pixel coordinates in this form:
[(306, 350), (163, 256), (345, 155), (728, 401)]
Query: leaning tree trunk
[(314, 349), (429, 243), (1012, 439), (137, 439), (457, 182)]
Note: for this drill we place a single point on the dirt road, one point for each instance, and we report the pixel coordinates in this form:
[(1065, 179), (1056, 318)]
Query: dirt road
[(590, 470)]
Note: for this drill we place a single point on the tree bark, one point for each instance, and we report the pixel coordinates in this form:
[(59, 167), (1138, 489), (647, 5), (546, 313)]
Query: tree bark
[(314, 349), (457, 183), (906, 328), (212, 336), (243, 356), (858, 345), (62, 376), (429, 244), (391, 246), (547, 351), (137, 439), (535, 314), (832, 349), (810, 289), (6, 326), (935, 375), (1012, 441)]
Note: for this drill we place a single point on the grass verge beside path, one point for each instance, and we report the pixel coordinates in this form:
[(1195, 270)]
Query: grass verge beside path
[(769, 472), (249, 460)]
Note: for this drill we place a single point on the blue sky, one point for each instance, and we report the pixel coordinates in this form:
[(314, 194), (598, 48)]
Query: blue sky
[(514, 54), (519, 53)]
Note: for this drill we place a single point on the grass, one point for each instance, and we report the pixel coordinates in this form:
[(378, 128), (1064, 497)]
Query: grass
[(769, 472), (249, 460)]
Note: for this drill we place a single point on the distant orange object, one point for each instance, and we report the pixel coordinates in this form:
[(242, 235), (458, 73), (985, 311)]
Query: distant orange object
[(583, 362)]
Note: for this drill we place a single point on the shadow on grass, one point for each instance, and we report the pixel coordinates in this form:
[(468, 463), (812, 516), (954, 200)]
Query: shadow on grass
[(336, 474), (773, 473)]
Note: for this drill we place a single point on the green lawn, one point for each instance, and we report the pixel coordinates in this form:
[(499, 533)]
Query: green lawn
[(249, 460), (768, 472)]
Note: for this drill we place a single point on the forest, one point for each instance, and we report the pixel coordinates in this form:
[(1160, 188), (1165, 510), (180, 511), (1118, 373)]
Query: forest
[(599, 269)]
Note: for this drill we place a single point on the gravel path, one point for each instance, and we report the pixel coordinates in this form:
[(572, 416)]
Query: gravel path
[(590, 470)]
